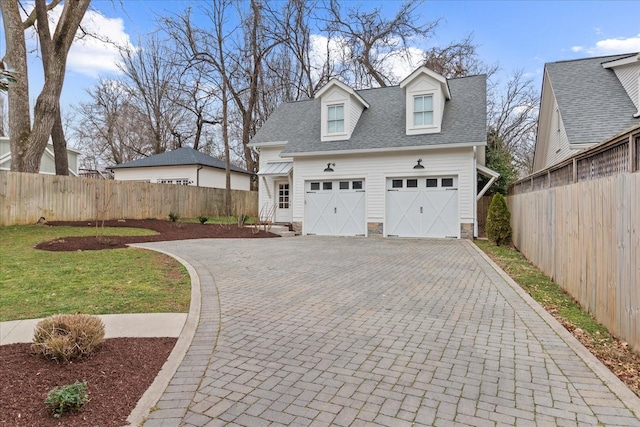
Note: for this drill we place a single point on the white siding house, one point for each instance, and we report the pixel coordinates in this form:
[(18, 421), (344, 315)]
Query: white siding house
[(585, 102), (183, 166), (47, 164), (395, 161)]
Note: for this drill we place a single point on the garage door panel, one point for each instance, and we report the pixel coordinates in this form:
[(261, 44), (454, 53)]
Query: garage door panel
[(422, 207), (350, 213), (403, 213), (319, 209), (335, 210), (440, 217)]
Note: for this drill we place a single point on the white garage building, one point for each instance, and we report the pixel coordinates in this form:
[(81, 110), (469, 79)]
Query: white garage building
[(396, 161)]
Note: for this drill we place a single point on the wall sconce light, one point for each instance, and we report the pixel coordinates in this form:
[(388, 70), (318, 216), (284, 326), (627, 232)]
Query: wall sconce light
[(329, 168), (418, 165)]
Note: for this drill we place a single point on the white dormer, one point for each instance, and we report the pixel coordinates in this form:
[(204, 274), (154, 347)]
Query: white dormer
[(426, 93), (628, 72), (341, 108)]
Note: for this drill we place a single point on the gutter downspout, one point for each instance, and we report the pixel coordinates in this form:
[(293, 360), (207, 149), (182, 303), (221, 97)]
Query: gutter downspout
[(198, 176)]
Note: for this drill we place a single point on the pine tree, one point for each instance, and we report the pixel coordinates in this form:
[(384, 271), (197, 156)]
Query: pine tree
[(498, 221)]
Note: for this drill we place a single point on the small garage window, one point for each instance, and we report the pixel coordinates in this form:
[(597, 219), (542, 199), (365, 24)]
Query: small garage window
[(315, 186), (412, 183), (396, 183), (432, 182), (344, 185), (327, 185), (356, 185), (447, 182)]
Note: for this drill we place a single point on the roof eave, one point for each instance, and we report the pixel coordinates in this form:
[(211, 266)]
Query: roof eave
[(383, 150)]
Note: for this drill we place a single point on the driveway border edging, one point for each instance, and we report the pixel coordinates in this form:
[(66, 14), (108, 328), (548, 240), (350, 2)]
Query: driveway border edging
[(629, 398), (153, 394)]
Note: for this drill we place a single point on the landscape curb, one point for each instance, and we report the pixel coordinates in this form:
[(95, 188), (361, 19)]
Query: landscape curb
[(168, 370), (626, 396)]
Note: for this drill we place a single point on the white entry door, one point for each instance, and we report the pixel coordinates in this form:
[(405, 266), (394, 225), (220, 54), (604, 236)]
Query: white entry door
[(335, 208), (422, 207), (283, 202)]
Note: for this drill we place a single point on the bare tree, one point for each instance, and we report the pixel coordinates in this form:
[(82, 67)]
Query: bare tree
[(512, 119), (29, 142), (150, 74), (458, 59), (371, 40), (108, 129)]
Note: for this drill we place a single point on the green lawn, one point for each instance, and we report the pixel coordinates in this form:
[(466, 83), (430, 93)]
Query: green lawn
[(35, 283)]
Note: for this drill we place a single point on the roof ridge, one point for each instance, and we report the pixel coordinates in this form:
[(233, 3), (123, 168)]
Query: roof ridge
[(625, 55)]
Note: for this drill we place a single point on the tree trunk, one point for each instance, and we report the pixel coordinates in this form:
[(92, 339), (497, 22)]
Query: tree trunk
[(60, 147), (18, 95), (28, 145)]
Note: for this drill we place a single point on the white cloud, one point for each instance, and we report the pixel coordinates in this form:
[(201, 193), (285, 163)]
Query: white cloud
[(96, 51), (611, 46), (92, 55)]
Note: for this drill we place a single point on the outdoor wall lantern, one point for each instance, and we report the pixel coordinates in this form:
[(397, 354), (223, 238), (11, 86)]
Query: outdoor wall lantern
[(329, 168), (418, 165)]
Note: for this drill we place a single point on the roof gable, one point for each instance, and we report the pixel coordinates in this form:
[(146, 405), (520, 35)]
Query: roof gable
[(592, 102), (431, 75), (335, 83)]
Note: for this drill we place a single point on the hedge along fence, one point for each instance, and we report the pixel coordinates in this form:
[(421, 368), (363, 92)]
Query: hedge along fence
[(25, 197)]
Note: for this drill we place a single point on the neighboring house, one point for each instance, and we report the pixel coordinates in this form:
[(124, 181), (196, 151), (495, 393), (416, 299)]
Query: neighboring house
[(48, 163), (393, 161), (183, 166), (585, 102)]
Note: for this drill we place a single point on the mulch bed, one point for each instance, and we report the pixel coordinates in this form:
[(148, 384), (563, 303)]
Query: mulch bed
[(166, 231), (117, 376)]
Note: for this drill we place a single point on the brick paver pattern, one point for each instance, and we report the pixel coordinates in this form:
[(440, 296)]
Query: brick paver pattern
[(314, 331)]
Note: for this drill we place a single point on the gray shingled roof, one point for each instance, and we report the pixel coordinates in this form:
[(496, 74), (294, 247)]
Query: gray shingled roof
[(592, 102), (382, 125), (180, 156)]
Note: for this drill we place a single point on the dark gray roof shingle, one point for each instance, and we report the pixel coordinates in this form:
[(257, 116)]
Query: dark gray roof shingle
[(180, 156), (383, 124), (592, 102)]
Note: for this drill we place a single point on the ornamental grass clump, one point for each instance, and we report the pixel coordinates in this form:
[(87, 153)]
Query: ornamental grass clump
[(67, 398), (499, 221), (67, 337)]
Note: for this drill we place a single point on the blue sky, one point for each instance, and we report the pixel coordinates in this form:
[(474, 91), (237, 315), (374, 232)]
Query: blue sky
[(514, 34)]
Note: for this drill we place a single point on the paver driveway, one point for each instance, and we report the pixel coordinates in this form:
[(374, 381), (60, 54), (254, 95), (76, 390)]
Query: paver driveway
[(347, 331)]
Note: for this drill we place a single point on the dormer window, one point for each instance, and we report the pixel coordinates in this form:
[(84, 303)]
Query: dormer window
[(335, 119), (426, 93), (423, 110)]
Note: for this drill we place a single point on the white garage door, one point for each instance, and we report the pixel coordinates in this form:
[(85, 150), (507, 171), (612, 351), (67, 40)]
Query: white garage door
[(335, 208), (422, 207)]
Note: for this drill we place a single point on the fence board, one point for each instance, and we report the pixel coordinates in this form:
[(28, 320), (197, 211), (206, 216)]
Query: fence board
[(586, 237), (24, 198)]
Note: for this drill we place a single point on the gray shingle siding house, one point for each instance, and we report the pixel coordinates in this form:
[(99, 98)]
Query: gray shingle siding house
[(585, 102), (183, 166), (394, 161)]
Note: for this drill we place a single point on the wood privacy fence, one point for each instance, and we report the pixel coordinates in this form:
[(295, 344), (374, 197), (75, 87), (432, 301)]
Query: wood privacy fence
[(24, 198), (617, 155), (586, 235), (482, 211)]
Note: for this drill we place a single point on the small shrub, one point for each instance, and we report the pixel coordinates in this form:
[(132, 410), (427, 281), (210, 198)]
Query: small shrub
[(242, 219), (203, 219), (66, 337), (498, 221), (67, 398), (173, 217)]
